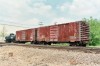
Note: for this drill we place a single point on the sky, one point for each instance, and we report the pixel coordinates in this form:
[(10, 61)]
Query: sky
[(29, 13)]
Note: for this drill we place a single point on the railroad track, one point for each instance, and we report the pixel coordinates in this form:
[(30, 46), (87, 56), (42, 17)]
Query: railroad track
[(65, 48)]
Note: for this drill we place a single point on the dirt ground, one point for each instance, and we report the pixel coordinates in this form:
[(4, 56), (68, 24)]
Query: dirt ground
[(22, 56)]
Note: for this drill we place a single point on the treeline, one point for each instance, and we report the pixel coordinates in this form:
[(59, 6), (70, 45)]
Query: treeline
[(94, 31)]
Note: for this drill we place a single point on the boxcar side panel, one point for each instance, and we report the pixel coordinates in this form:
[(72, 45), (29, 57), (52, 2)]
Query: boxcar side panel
[(18, 35), (30, 35), (64, 32), (73, 31), (43, 33), (21, 35), (54, 33)]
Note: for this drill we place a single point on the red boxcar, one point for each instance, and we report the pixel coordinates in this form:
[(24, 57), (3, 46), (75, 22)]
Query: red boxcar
[(74, 32), (25, 35), (68, 32)]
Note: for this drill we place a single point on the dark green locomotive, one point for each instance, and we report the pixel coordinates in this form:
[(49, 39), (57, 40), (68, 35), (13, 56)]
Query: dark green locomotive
[(10, 38)]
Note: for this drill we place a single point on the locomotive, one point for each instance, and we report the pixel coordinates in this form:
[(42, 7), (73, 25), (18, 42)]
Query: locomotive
[(74, 33), (10, 38)]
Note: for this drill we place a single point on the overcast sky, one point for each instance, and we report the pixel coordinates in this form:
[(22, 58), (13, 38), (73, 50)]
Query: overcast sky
[(30, 12)]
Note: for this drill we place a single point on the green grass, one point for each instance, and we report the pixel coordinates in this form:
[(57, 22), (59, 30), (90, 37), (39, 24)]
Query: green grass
[(27, 43), (61, 44), (97, 46)]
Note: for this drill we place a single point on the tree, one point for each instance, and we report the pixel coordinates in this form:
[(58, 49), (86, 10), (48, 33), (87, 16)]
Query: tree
[(94, 31), (3, 32)]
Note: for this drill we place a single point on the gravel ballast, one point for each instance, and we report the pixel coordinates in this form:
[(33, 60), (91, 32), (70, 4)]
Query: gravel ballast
[(22, 56)]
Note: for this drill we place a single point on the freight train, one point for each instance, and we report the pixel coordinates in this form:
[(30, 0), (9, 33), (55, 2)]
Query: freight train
[(74, 33)]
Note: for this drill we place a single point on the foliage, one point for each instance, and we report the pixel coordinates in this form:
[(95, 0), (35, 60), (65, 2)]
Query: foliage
[(3, 33), (94, 31)]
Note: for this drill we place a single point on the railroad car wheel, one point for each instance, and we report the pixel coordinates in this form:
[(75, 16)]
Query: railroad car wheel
[(45, 43), (82, 44), (35, 42), (73, 44), (49, 43)]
